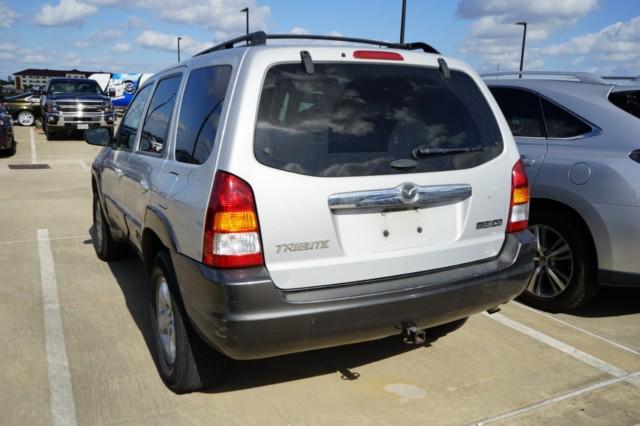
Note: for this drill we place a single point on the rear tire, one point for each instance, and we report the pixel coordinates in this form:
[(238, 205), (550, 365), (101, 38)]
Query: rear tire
[(183, 360), (50, 134), (565, 273), (105, 246)]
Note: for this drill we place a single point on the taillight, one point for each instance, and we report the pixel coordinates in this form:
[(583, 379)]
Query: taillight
[(231, 235), (519, 206), (377, 54), (635, 155)]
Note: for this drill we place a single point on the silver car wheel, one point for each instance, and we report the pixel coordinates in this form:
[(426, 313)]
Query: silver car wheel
[(166, 321), (26, 118), (554, 263)]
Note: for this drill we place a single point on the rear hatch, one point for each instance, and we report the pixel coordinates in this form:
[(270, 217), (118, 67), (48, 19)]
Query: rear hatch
[(370, 169)]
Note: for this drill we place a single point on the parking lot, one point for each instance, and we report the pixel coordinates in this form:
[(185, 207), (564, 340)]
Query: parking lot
[(75, 340)]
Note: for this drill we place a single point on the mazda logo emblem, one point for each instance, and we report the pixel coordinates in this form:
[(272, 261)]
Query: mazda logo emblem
[(409, 193)]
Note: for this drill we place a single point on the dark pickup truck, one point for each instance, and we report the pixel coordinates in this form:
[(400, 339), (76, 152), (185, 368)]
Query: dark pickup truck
[(70, 104)]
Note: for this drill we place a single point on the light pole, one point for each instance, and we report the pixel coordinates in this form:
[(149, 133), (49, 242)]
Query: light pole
[(246, 10), (404, 15), (524, 39), (179, 38)]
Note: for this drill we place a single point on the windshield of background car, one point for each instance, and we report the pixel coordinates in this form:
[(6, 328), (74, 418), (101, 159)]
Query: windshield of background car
[(88, 87), (356, 119), (628, 100)]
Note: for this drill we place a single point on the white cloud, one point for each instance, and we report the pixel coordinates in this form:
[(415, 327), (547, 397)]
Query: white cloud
[(71, 60), (169, 42), (67, 12), (135, 23), (496, 38), (615, 47), (98, 39), (34, 57), (7, 16), (121, 47), (299, 30)]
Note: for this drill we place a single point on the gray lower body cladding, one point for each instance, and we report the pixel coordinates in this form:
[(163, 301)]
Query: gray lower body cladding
[(244, 315)]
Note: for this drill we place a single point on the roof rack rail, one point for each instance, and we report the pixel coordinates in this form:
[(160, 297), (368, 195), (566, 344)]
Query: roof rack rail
[(582, 77), (260, 38), (622, 77)]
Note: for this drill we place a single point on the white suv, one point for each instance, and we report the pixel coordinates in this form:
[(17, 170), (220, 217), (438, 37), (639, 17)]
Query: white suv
[(293, 197)]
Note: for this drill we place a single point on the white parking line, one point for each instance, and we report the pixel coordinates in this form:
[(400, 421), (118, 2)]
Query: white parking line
[(582, 330), (62, 405), (68, 237), (34, 153), (561, 346), (572, 394)]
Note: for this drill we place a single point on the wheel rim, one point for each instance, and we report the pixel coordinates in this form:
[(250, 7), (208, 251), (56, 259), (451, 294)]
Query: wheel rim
[(25, 118), (97, 219), (166, 321), (554, 263)]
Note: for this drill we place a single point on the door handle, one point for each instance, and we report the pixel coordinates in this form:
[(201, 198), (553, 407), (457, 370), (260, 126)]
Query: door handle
[(528, 162)]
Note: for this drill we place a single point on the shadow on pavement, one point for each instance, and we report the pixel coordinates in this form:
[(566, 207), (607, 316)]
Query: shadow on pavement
[(611, 302), (132, 279)]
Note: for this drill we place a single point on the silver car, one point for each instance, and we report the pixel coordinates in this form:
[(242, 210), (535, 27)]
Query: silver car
[(290, 198), (579, 136)]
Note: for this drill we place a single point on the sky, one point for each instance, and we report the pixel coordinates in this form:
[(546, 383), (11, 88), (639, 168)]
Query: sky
[(601, 36)]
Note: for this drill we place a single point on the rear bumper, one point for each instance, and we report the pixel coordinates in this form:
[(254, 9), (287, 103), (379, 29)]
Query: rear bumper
[(245, 316)]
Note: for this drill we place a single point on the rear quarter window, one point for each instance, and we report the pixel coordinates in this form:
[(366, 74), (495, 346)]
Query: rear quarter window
[(628, 101), (356, 119)]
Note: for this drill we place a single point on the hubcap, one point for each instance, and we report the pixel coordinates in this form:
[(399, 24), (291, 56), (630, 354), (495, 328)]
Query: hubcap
[(166, 321), (554, 265), (98, 225), (25, 118)]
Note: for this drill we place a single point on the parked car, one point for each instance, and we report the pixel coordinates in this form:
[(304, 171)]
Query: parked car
[(351, 194), (24, 108), (70, 104), (7, 141), (578, 136)]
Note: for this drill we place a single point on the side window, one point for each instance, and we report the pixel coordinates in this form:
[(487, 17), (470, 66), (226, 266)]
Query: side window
[(200, 113), (156, 124), (131, 121), (522, 111), (561, 123)]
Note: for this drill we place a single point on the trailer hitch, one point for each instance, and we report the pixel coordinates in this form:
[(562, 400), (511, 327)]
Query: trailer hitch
[(412, 335)]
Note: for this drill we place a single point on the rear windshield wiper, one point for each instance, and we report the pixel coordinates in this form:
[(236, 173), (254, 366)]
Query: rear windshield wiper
[(424, 151)]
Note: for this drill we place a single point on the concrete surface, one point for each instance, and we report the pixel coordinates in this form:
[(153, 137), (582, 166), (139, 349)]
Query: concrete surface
[(484, 372)]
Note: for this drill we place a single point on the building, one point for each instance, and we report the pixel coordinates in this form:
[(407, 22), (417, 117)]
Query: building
[(32, 78)]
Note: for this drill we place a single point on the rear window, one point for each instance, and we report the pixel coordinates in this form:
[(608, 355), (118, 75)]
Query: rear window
[(356, 119), (628, 101)]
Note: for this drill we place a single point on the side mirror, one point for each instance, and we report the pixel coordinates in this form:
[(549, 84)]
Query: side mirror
[(99, 136), (111, 92)]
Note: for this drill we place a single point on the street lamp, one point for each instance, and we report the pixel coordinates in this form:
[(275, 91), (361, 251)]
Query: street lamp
[(246, 10), (524, 38), (404, 15), (179, 38)]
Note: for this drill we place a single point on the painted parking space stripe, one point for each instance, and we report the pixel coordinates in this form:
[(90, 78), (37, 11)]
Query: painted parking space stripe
[(573, 394), (574, 327), (62, 405), (34, 153), (561, 346)]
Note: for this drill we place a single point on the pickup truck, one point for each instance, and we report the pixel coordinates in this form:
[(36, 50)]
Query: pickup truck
[(70, 104)]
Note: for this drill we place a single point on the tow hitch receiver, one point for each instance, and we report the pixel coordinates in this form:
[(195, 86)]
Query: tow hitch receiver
[(412, 335)]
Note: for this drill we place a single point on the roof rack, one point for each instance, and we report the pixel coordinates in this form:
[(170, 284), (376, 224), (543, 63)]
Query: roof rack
[(582, 77), (622, 77), (260, 38)]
